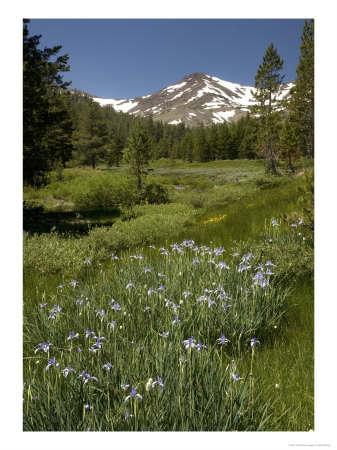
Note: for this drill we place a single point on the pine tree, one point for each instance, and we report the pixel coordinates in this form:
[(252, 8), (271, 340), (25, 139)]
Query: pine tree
[(302, 100), (138, 152), (47, 125), (289, 144), (187, 148), (247, 146), (213, 142), (201, 146), (223, 141), (91, 139), (267, 84)]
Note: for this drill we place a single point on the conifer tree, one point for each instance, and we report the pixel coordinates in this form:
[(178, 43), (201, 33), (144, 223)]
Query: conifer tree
[(91, 139), (302, 99), (137, 153), (223, 141), (289, 144), (267, 84), (47, 125), (201, 146), (187, 148)]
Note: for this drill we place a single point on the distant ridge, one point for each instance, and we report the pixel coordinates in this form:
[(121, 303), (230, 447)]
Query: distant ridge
[(196, 99)]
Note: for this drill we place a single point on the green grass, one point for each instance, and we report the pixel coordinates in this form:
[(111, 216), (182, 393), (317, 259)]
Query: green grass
[(200, 394)]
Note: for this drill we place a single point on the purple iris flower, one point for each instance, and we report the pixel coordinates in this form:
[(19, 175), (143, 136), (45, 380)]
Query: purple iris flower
[(158, 381), (111, 324), (87, 261), (195, 261), (72, 335), (176, 320), (189, 343), (52, 362), (146, 308), (211, 302), (222, 340), (164, 334), (73, 283), (161, 288), (175, 307), (116, 307), (87, 377), (149, 292), (133, 395), (98, 341), (67, 370), (186, 293), (100, 312), (130, 284), (199, 346), (89, 333), (57, 308), (258, 276), (243, 267), (125, 386), (147, 270), (107, 366), (274, 223), (269, 263), (45, 347), (222, 265), (42, 305), (254, 341), (79, 301), (236, 376)]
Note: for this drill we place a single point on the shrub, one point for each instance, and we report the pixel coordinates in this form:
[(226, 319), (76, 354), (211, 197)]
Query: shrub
[(266, 182), (103, 192), (156, 193)]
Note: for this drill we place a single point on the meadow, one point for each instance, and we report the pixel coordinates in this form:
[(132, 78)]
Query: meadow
[(190, 309)]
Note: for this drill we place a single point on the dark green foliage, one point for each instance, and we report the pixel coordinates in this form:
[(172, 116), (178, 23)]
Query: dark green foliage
[(187, 148), (302, 102), (306, 199), (156, 193), (91, 137), (47, 124), (138, 152), (289, 144), (267, 83), (202, 150)]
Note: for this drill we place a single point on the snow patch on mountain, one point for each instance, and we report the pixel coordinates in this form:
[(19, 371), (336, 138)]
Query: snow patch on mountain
[(220, 116)]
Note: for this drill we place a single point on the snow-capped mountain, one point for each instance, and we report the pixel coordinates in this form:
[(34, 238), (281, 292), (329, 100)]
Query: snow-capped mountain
[(196, 99)]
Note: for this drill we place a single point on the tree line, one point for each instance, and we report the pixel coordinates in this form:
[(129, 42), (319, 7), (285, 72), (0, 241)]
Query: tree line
[(62, 126)]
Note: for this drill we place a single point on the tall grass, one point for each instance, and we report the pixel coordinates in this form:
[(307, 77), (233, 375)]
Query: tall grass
[(145, 311), (276, 392)]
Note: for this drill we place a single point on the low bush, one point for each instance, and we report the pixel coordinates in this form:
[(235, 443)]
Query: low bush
[(104, 192), (156, 193)]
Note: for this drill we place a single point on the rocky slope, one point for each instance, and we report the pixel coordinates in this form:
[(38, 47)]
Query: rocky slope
[(196, 99)]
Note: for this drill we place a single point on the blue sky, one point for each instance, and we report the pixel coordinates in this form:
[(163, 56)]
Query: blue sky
[(126, 58)]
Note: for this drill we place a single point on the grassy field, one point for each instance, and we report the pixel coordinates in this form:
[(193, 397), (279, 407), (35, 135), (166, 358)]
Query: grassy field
[(119, 335)]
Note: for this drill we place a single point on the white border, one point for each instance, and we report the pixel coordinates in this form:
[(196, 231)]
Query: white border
[(326, 168)]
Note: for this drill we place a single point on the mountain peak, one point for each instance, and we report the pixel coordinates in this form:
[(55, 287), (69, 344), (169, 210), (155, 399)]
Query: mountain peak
[(197, 98)]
